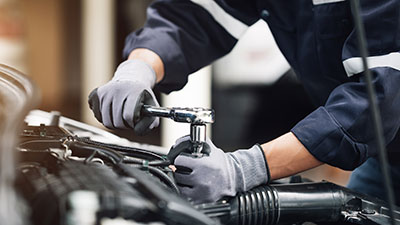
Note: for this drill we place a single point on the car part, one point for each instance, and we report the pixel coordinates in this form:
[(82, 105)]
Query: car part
[(295, 203), (117, 182), (135, 184)]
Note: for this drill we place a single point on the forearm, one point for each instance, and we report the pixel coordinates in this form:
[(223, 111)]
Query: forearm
[(286, 156), (151, 58)]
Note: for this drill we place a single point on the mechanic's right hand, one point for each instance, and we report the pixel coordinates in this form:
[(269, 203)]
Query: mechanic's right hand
[(118, 103), (216, 174)]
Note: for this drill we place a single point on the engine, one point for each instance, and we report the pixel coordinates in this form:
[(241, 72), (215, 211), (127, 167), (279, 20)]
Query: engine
[(67, 177), (77, 180)]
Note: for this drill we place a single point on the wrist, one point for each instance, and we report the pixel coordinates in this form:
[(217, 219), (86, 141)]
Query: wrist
[(152, 59), (287, 156), (265, 162), (252, 169), (135, 70)]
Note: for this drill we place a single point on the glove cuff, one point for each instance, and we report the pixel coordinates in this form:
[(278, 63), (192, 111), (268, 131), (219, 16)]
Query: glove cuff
[(137, 71), (251, 167), (265, 161)]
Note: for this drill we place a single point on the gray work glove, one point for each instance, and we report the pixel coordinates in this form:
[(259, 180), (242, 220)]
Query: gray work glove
[(117, 104), (220, 174)]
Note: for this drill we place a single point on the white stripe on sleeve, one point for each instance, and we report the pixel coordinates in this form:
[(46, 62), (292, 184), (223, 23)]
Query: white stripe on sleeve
[(320, 2), (354, 65), (234, 26)]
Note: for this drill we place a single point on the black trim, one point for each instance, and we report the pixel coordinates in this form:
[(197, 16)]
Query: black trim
[(266, 163)]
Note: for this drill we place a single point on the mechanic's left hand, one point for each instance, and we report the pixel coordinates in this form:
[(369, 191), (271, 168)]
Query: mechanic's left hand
[(209, 178)]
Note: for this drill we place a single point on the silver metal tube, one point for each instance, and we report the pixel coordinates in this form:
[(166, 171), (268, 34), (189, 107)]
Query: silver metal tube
[(198, 137), (156, 111)]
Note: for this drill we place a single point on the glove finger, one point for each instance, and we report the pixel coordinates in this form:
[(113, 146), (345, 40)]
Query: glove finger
[(184, 146), (183, 170), (210, 143), (183, 179), (94, 104), (206, 149), (191, 179), (186, 159), (106, 105), (193, 194), (181, 139), (137, 110), (144, 124), (155, 123), (129, 110), (118, 114), (121, 103), (151, 99), (186, 191)]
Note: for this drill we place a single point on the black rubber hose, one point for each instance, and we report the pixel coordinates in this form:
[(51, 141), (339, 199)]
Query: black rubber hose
[(293, 203), (164, 177), (377, 120), (284, 204), (160, 175)]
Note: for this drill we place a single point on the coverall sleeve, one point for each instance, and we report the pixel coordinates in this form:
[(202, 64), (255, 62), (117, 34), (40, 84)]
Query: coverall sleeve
[(341, 132), (190, 34)]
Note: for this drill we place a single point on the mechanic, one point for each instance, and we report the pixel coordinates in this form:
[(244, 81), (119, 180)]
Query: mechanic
[(317, 38)]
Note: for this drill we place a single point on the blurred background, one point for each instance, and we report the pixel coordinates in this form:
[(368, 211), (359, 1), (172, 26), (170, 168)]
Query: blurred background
[(69, 47)]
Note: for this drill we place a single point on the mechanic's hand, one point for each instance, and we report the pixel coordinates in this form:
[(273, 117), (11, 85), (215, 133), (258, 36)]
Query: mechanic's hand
[(209, 178), (117, 104)]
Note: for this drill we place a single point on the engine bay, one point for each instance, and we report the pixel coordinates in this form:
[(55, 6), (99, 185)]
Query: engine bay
[(67, 176), (58, 171)]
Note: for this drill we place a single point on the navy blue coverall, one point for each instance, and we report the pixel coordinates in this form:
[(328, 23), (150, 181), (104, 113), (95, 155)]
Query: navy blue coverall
[(317, 38)]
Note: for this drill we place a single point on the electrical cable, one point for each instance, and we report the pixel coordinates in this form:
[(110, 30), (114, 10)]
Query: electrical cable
[(117, 158), (128, 159), (377, 121), (89, 159), (135, 152), (113, 156)]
